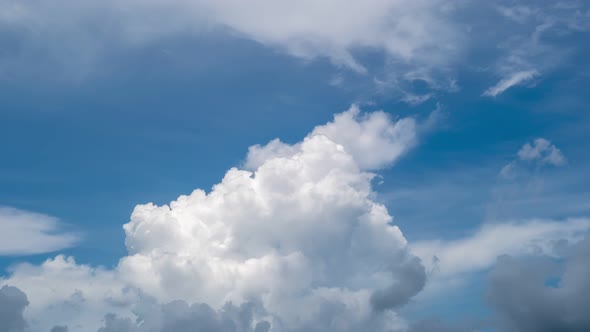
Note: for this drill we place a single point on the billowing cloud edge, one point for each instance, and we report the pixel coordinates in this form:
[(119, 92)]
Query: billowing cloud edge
[(298, 235)]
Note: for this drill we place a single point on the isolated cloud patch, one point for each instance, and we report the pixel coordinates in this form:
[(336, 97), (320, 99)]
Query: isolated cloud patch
[(25, 233), (299, 236), (512, 80), (543, 151), (538, 153)]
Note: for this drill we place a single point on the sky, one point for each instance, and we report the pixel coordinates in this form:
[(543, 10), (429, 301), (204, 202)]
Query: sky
[(280, 166)]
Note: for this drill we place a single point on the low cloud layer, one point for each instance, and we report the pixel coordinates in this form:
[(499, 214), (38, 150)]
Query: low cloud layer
[(542, 294), (479, 251), (514, 79), (178, 316), (534, 155), (542, 151)]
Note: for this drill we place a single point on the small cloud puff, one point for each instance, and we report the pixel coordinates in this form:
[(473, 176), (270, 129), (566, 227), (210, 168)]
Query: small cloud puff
[(542, 151), (539, 153)]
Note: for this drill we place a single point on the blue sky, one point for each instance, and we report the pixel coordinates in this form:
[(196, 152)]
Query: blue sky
[(105, 107)]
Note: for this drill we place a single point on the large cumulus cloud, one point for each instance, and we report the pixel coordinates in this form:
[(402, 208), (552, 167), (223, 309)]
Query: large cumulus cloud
[(299, 236), (300, 230)]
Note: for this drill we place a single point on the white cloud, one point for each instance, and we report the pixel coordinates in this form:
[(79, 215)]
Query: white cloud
[(300, 235), (513, 79), (480, 250), (542, 151), (60, 291), (26, 233), (538, 153), (414, 34), (374, 140), (403, 29)]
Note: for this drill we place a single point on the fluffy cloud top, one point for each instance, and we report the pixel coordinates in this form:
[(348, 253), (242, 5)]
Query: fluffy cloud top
[(374, 140), (299, 236), (540, 153), (25, 233)]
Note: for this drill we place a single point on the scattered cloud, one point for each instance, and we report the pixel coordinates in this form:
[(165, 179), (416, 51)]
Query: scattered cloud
[(525, 50), (513, 79), (532, 290), (479, 251), (540, 152), (26, 233)]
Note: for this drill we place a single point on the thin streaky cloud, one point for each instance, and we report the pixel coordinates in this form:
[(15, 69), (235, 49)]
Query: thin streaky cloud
[(517, 78)]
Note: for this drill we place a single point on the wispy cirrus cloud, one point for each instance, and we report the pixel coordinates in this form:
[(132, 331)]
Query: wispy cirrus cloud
[(527, 49), (413, 32), (540, 152), (411, 43), (512, 80)]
